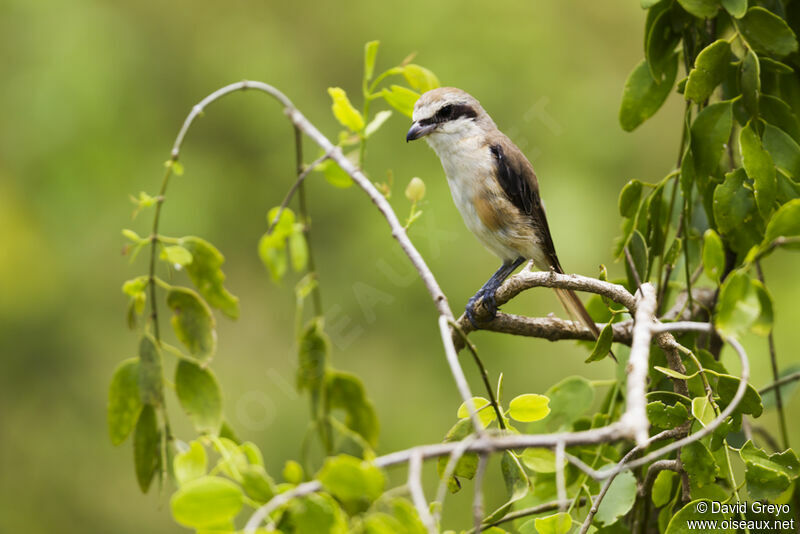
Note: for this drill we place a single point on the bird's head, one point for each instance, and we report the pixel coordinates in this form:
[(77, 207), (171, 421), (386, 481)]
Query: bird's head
[(447, 112)]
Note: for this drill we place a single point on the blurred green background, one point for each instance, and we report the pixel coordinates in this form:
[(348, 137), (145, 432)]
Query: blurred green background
[(92, 96)]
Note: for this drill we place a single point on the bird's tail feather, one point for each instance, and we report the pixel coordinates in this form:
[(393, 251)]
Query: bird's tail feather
[(577, 311)]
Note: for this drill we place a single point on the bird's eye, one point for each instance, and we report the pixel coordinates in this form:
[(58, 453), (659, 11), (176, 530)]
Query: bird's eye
[(445, 113)]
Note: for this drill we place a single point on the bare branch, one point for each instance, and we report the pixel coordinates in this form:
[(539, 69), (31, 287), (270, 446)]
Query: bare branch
[(653, 471), (561, 486), (635, 415), (785, 380), (527, 279), (417, 494), (477, 498)]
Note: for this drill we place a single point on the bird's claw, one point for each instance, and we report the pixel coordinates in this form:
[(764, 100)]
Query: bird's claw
[(489, 304)]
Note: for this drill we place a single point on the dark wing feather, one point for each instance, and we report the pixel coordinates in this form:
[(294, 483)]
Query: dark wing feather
[(516, 177), (520, 185)]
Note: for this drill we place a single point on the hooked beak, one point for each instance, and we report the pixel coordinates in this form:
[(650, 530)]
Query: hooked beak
[(418, 130)]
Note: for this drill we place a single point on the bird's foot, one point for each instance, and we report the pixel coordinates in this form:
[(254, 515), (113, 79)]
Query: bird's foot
[(489, 303), (469, 311)]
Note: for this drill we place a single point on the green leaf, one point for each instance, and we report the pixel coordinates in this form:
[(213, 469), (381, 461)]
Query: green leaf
[(768, 476), (343, 110), (618, 500), (773, 65), (315, 513), (257, 484), (176, 255), (680, 522), (151, 380), (292, 472), (737, 8), (738, 305), (334, 174), (699, 464), (660, 42), (401, 98), (603, 345), (672, 373), (192, 322), (784, 223), (735, 212), (783, 149), (750, 81), (540, 460), (767, 32), (703, 410), (206, 274), (516, 482), (758, 164), (313, 357), (778, 113), (709, 69), (485, 411), (709, 133), (643, 96), (284, 226), (200, 396), (763, 325), (346, 392), (146, 447), (298, 249), (420, 78), (662, 488), (704, 9), (206, 502), (529, 407), (272, 251), (467, 465), (674, 252), (629, 198), (663, 416), (124, 403), (355, 483), (713, 255), (750, 403), (370, 54), (560, 523), (569, 399), (640, 255), (375, 124), (191, 463)]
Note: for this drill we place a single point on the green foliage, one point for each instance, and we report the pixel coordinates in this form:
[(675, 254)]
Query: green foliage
[(146, 447), (768, 476), (199, 395), (193, 322), (355, 483), (207, 502), (529, 407), (619, 499), (643, 95), (735, 194), (124, 403)]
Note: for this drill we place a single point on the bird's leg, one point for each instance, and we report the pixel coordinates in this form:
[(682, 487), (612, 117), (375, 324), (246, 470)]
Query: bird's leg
[(490, 288)]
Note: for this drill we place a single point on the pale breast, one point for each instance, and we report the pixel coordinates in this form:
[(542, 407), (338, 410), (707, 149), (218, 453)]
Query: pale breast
[(470, 168)]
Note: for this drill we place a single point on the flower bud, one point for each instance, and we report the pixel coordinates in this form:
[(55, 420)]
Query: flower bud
[(415, 190)]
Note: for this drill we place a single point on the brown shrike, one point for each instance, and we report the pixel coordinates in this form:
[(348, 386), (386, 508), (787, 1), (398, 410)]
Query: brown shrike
[(495, 189)]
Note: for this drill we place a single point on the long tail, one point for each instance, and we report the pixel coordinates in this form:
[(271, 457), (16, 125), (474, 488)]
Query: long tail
[(575, 308)]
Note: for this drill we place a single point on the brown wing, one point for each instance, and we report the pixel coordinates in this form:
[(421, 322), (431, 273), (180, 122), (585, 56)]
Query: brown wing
[(516, 177)]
